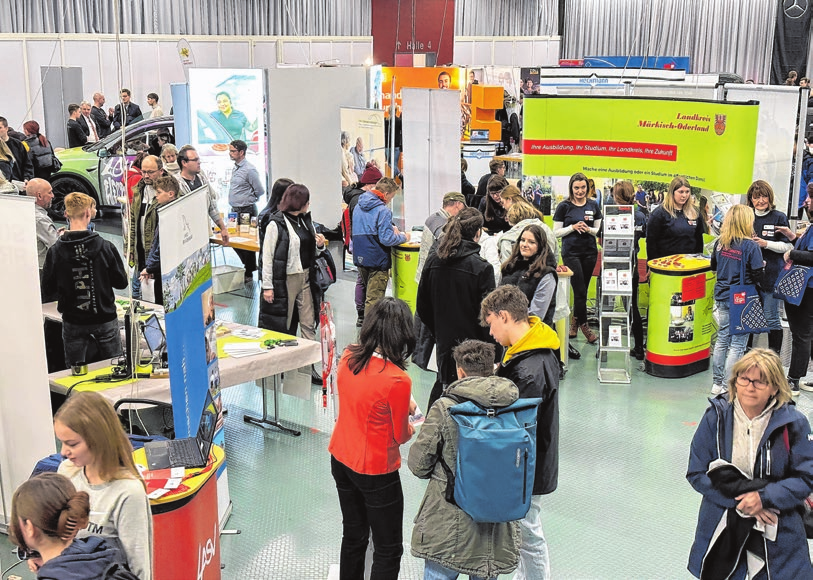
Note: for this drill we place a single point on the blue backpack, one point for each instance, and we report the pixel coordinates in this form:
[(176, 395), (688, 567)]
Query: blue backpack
[(496, 460)]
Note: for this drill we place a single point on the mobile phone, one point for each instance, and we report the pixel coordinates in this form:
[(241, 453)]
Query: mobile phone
[(26, 553)]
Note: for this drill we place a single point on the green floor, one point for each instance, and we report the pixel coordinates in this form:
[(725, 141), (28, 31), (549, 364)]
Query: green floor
[(623, 509)]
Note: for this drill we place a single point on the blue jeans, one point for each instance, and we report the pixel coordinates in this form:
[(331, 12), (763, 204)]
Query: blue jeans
[(135, 283), (729, 348), (434, 571), (77, 337), (534, 560), (770, 306), (369, 503)]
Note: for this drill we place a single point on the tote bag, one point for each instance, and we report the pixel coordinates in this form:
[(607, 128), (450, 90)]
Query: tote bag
[(746, 313), (793, 278)]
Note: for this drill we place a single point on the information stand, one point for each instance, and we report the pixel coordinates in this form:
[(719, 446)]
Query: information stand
[(404, 267), (186, 531), (617, 263), (681, 298)]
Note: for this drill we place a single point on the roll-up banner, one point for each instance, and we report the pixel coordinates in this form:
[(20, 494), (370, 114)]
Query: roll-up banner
[(186, 277), (709, 142), (26, 432)]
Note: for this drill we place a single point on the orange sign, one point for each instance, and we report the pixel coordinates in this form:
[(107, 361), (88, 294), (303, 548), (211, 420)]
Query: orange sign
[(439, 77)]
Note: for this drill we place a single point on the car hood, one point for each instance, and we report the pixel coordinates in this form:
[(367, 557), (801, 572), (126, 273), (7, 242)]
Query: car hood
[(76, 154)]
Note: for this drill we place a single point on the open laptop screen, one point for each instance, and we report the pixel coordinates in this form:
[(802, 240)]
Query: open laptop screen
[(206, 429), (153, 334)]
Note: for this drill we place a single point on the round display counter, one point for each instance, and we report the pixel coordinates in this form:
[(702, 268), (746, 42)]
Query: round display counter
[(680, 325), (404, 269)]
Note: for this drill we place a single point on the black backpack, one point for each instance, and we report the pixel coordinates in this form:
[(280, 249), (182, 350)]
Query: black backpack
[(119, 572)]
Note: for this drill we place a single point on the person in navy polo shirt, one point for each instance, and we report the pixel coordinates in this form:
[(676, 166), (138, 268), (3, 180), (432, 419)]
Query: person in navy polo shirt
[(675, 228)]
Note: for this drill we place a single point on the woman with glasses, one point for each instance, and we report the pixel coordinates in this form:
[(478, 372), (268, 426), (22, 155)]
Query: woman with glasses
[(773, 236), (734, 253), (752, 461), (494, 214)]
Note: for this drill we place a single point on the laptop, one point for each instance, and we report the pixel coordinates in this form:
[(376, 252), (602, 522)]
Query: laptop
[(479, 136), (153, 334), (189, 452)]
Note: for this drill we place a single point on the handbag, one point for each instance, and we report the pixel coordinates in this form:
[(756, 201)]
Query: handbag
[(747, 316), (322, 274), (793, 279), (807, 503)]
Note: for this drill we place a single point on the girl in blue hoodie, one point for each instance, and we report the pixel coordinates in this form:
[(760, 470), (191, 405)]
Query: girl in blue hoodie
[(46, 513)]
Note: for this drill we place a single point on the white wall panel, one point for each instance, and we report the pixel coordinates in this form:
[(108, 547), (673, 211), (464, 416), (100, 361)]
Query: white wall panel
[(13, 104), (85, 54), (361, 52), (110, 75), (39, 53), (172, 71), (296, 52), (235, 54), (205, 53), (265, 54), (342, 51), (146, 69), (321, 52)]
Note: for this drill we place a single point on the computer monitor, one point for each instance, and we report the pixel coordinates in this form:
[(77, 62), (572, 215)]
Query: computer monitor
[(153, 334), (479, 135)]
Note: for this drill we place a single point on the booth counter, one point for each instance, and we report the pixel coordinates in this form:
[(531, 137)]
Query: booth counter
[(186, 532), (681, 299), (404, 268)]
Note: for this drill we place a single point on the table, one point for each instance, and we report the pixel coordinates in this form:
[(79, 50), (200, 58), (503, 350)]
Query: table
[(238, 241), (233, 371)]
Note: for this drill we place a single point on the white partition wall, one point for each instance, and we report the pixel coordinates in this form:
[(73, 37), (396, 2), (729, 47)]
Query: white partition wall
[(773, 157), (304, 130), (431, 139), (26, 433)]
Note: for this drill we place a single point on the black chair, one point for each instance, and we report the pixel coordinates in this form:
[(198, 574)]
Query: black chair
[(154, 420)]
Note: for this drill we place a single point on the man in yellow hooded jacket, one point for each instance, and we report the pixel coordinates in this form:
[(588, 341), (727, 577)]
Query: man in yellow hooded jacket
[(530, 361)]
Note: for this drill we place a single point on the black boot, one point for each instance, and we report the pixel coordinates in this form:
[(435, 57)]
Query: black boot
[(316, 376), (775, 338), (572, 352)]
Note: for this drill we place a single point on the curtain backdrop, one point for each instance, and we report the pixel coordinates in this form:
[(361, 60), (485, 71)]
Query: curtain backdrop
[(221, 17), (734, 37), (506, 17)]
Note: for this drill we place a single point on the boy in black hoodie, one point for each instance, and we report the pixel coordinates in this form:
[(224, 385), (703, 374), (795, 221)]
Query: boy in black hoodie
[(82, 268), (530, 361)]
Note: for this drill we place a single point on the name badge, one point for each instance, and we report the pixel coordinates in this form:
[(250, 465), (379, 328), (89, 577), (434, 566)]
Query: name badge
[(692, 222), (588, 216)]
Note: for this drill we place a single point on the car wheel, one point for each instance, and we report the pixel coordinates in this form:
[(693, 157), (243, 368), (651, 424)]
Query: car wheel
[(62, 186)]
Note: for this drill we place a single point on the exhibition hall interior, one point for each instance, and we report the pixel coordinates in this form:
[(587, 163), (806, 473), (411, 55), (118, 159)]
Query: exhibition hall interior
[(406, 289)]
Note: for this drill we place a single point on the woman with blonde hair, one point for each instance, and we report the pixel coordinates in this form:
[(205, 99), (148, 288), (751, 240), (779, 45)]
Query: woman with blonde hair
[(734, 253), (577, 221), (675, 227), (752, 460), (99, 461), (773, 236), (46, 513), (169, 155)]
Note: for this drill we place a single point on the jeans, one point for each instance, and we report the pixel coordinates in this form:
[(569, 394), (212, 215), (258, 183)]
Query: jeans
[(77, 337), (369, 503), (375, 286), (729, 348), (247, 257), (359, 296), (534, 560), (434, 571), (135, 283), (582, 267), (800, 320), (770, 306)]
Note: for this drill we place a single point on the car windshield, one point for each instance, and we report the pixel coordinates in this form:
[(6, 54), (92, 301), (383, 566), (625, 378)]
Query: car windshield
[(134, 132)]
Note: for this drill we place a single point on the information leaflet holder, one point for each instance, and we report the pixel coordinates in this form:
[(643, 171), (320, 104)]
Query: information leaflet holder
[(618, 258), (681, 299)]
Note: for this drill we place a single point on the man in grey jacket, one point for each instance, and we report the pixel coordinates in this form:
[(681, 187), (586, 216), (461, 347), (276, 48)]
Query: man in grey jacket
[(191, 178)]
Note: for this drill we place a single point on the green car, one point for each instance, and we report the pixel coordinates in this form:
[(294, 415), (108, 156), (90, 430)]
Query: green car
[(99, 169)]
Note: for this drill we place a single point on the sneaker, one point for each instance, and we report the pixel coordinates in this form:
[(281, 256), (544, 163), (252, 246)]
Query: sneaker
[(794, 387), (718, 390), (360, 320), (806, 386)]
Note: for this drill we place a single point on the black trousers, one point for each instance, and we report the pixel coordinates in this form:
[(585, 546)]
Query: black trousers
[(582, 267), (369, 503), (800, 320), (247, 257)]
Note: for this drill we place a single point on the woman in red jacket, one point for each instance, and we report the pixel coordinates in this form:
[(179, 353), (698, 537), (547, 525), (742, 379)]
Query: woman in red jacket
[(374, 408)]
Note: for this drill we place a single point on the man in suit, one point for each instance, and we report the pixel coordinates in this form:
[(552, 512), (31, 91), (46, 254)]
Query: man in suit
[(87, 123), (14, 160), (99, 116), (76, 135), (132, 112)]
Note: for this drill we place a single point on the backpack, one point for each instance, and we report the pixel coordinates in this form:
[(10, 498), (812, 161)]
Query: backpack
[(496, 460), (119, 572)]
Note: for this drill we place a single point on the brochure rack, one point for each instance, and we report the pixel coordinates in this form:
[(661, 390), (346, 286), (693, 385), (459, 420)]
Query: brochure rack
[(615, 294)]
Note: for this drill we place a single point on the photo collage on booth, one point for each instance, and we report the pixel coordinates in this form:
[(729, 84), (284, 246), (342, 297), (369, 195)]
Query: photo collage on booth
[(227, 105)]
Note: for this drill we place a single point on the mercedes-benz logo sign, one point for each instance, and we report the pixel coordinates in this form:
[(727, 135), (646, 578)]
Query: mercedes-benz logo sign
[(795, 8)]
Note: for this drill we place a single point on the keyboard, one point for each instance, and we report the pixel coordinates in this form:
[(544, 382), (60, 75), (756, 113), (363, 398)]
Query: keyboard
[(184, 453)]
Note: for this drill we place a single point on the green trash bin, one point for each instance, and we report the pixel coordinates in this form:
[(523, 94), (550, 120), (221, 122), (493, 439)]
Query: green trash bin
[(404, 268), (679, 328)]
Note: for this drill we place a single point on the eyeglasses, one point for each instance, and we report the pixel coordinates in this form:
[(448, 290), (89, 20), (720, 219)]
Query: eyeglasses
[(147, 172), (232, 150), (195, 159), (744, 381)]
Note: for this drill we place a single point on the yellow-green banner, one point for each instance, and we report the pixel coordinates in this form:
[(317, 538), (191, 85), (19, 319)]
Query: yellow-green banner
[(709, 142)]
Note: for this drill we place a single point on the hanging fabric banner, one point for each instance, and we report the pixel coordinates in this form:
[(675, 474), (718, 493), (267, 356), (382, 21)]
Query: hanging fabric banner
[(791, 40)]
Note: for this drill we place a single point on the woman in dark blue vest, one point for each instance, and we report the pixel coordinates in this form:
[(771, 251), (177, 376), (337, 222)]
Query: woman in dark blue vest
[(773, 236), (527, 269)]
